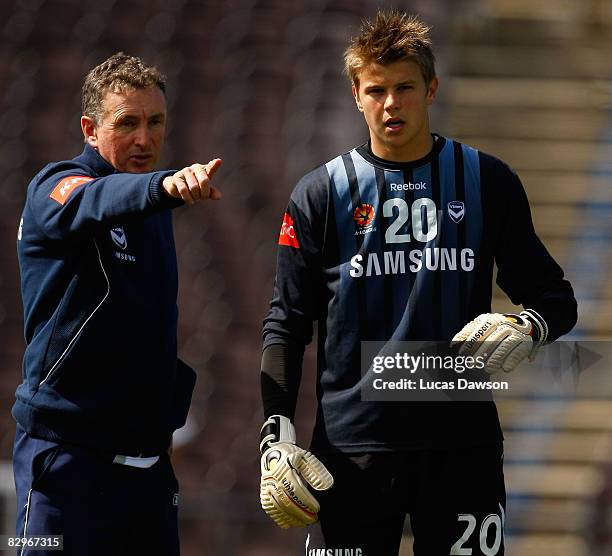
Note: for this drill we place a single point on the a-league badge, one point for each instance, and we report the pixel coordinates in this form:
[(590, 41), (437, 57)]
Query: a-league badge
[(456, 211), (363, 216)]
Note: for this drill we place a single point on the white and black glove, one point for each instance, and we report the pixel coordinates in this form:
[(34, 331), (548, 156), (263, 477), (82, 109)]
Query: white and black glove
[(285, 470), (502, 340)]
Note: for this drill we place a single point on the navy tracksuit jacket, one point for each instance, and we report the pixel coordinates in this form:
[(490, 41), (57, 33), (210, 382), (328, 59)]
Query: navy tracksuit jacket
[(99, 286), (100, 373)]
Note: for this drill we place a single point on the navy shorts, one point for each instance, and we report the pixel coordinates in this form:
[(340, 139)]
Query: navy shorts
[(455, 498), (99, 507)]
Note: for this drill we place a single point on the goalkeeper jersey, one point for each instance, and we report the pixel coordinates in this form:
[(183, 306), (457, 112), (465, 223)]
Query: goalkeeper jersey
[(378, 250)]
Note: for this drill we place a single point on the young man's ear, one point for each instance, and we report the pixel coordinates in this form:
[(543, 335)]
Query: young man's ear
[(356, 97), (88, 126), (432, 90)]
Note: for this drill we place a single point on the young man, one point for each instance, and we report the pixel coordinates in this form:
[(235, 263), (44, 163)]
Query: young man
[(396, 240), (103, 389)]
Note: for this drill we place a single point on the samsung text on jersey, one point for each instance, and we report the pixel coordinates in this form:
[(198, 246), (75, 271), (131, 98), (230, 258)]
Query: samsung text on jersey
[(394, 262)]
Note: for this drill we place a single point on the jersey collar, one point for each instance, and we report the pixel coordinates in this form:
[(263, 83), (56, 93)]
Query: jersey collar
[(365, 151)]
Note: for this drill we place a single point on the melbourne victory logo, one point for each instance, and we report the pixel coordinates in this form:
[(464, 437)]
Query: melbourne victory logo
[(119, 237), (456, 211), (363, 216)]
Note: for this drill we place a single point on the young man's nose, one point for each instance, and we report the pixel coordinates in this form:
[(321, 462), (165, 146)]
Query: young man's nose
[(391, 101)]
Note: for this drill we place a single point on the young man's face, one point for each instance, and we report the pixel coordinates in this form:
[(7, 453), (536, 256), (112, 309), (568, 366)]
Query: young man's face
[(394, 100), (131, 133)]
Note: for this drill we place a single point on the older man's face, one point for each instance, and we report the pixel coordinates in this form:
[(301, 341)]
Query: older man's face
[(131, 134)]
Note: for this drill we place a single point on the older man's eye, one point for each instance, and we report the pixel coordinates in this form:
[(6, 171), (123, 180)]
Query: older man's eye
[(126, 124)]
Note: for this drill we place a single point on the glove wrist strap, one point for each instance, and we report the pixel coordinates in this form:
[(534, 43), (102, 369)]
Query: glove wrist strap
[(538, 322), (540, 328), (276, 429)]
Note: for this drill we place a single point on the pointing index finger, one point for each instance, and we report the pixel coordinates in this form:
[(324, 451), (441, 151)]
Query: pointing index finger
[(212, 167)]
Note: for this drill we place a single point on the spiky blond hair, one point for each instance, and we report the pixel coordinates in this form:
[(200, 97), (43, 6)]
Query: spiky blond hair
[(391, 37)]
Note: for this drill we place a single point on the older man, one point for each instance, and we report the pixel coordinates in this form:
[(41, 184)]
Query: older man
[(102, 387)]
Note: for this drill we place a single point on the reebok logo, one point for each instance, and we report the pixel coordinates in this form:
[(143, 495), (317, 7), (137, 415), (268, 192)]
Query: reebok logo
[(408, 186), (65, 187)]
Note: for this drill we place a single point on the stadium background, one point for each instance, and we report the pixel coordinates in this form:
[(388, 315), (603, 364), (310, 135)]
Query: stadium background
[(259, 84)]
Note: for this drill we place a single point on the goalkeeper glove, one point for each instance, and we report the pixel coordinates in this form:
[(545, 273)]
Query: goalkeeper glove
[(502, 340), (285, 470)]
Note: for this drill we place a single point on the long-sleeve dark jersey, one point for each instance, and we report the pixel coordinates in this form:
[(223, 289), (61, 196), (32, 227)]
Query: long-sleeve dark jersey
[(99, 286), (379, 250)]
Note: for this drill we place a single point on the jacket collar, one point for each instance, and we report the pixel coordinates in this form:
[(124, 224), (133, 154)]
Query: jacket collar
[(91, 158)]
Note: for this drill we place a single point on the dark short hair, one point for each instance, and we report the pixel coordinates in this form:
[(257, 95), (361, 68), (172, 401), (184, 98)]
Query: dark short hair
[(117, 73), (392, 36)]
